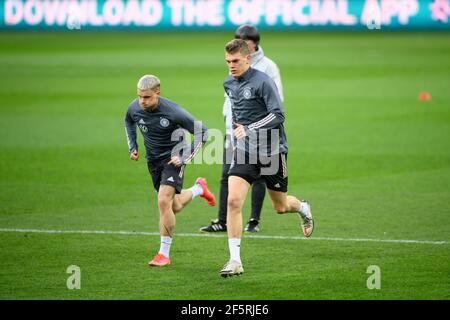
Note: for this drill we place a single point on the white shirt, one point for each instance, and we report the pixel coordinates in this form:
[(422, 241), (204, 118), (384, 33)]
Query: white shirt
[(262, 63)]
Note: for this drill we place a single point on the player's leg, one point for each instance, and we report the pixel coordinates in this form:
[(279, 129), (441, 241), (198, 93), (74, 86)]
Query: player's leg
[(283, 203), (200, 188), (156, 170), (171, 199), (166, 195), (174, 176), (237, 192), (167, 221), (181, 200), (277, 184), (258, 195), (241, 176)]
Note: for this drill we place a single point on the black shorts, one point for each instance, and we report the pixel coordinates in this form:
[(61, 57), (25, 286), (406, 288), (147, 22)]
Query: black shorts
[(273, 170), (166, 174)]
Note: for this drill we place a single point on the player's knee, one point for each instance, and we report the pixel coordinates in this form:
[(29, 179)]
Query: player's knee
[(164, 203), (234, 203)]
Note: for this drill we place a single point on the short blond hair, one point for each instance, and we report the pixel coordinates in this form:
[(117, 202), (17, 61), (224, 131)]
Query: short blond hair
[(148, 82)]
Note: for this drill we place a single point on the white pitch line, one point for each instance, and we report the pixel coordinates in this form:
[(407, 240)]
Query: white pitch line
[(142, 233)]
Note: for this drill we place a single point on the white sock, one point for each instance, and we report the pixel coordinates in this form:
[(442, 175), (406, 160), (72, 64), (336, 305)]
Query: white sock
[(165, 245), (235, 249), (303, 209), (196, 190)]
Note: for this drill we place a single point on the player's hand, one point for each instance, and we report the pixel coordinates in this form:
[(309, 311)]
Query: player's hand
[(175, 161), (239, 131), (134, 155)]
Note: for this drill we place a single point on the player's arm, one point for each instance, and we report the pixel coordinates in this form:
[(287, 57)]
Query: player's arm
[(188, 122), (130, 131)]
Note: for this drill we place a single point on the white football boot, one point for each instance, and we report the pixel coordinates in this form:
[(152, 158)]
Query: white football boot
[(232, 268), (307, 219)]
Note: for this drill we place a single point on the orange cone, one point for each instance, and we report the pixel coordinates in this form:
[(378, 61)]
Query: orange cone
[(424, 96)]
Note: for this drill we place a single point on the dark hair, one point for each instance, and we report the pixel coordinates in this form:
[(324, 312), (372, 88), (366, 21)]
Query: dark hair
[(247, 32), (237, 45)]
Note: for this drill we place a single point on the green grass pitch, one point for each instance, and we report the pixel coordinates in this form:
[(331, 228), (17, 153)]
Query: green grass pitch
[(372, 159)]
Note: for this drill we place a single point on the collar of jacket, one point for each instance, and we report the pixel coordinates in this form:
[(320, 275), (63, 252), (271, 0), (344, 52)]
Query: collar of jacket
[(257, 56), (246, 75)]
